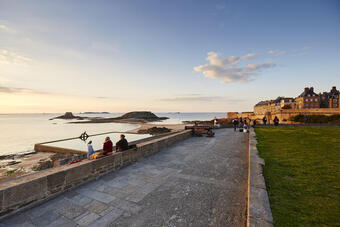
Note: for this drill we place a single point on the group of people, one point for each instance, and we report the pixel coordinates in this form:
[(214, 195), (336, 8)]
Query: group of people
[(276, 120), (121, 145), (244, 124)]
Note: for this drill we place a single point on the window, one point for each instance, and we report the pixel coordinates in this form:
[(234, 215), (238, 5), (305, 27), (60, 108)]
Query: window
[(315, 100)]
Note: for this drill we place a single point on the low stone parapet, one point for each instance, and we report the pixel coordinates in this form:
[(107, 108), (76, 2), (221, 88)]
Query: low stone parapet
[(259, 212), (23, 192)]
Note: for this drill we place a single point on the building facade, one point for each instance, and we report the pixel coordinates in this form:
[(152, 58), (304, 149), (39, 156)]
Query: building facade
[(308, 99)]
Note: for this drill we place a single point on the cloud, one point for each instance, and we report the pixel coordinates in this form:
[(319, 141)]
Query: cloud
[(15, 90), (277, 52), (7, 29), (228, 69), (199, 98), (250, 56), (10, 57)]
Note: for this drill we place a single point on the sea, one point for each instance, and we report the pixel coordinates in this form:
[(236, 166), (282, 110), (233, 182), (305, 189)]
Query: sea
[(19, 132)]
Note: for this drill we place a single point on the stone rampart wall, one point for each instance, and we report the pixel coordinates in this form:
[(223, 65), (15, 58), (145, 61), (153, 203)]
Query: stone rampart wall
[(25, 191)]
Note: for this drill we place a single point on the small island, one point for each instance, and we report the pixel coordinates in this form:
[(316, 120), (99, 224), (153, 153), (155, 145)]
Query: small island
[(131, 117), (69, 116)]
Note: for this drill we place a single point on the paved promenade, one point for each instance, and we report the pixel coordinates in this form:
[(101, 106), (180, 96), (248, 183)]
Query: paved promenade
[(198, 182)]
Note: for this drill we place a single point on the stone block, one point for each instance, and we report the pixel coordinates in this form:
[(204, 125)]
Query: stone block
[(78, 174), (103, 163), (254, 222), (71, 211), (55, 182), (256, 177), (45, 218), (118, 160), (87, 218), (96, 207), (259, 204), (24, 193), (108, 219)]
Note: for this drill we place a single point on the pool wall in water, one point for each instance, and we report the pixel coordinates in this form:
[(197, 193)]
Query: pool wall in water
[(78, 146)]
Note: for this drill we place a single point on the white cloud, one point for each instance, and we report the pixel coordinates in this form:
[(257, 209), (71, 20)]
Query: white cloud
[(16, 90), (7, 29), (277, 52), (250, 56), (199, 98), (10, 57), (228, 69)]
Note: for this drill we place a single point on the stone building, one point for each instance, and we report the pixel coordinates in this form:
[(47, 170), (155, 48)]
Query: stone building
[(330, 99), (308, 99)]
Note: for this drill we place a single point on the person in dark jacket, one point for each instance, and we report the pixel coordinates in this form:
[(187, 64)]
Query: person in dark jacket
[(235, 123), (276, 121), (108, 146), (264, 119), (122, 144)]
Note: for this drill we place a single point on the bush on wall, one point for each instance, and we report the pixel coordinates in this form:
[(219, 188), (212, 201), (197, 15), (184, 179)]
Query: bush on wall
[(334, 119)]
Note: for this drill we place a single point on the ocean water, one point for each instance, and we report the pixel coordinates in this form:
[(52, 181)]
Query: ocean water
[(19, 132)]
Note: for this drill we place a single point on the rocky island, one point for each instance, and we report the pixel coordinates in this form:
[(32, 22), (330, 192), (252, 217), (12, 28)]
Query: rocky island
[(69, 116), (131, 117)]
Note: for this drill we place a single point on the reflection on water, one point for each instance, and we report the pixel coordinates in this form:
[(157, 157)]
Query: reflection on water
[(97, 141), (178, 118), (19, 132)]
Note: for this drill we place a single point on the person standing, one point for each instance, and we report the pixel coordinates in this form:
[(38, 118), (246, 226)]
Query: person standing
[(235, 123), (254, 123), (107, 146), (276, 121), (264, 119)]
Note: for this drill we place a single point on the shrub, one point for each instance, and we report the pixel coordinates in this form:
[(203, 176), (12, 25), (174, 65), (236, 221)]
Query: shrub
[(333, 119)]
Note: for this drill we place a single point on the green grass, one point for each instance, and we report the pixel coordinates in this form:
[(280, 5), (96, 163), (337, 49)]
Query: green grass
[(302, 174)]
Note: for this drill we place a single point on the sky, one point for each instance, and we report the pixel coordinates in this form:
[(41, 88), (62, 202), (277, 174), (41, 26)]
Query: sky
[(164, 56)]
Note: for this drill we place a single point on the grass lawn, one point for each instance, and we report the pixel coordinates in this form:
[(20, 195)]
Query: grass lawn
[(302, 174)]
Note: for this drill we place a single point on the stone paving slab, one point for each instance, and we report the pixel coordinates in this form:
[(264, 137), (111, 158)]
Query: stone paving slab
[(198, 182)]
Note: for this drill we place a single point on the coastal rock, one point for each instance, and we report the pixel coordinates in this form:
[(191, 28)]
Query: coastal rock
[(68, 116), (43, 164), (154, 130), (142, 115)]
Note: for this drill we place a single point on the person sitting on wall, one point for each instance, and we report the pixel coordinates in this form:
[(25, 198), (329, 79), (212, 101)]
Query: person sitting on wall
[(91, 153), (122, 144), (107, 146)]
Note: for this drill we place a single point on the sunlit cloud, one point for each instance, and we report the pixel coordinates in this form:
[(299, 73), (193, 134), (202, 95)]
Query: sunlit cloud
[(6, 29), (11, 57), (16, 90), (199, 98), (277, 52), (250, 56), (228, 70)]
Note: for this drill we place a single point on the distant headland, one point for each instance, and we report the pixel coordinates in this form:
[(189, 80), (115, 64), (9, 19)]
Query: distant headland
[(131, 117)]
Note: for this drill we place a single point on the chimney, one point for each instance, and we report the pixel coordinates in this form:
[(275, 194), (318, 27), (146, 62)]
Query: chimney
[(333, 89), (312, 89), (306, 89)]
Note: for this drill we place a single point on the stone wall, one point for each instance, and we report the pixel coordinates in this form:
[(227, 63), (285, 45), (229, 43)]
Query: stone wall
[(28, 190), (259, 212), (284, 115)]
